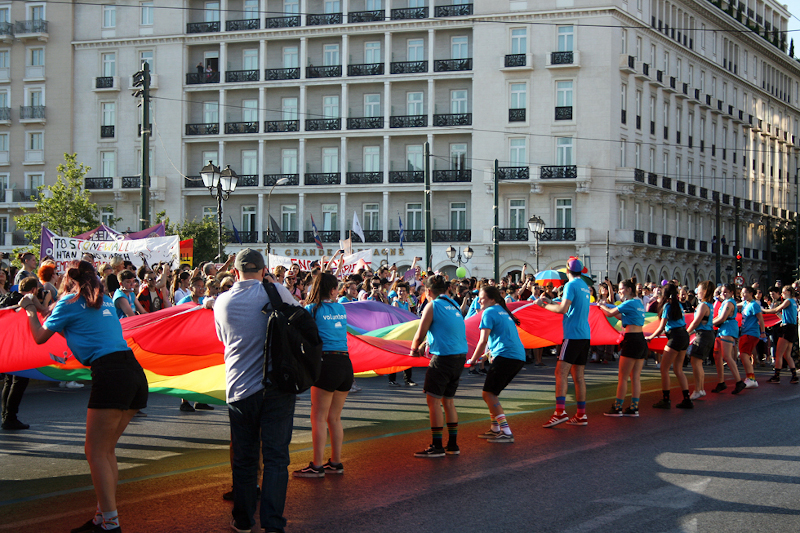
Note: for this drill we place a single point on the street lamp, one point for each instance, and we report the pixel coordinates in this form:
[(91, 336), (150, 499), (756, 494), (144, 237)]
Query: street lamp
[(282, 181), (220, 185), (455, 256), (536, 226)]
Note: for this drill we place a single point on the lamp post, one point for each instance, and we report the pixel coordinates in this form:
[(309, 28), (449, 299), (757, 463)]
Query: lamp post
[(385, 252), (282, 181), (455, 256), (536, 226), (220, 185)]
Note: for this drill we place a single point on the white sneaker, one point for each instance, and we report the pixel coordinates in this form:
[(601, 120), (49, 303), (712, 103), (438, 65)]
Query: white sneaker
[(62, 384), (355, 388), (658, 366), (74, 385), (697, 394), (751, 383)]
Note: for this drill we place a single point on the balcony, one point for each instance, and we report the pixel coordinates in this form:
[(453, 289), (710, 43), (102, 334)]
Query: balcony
[(241, 127), (274, 74), (565, 113), (666, 183), (517, 115), (666, 241), (458, 10), (243, 25), (238, 76), (330, 71), (513, 173), (558, 234), (323, 178), (282, 22), (558, 172), (704, 193), (104, 82), (131, 182), (680, 186), (703, 246), (6, 32), (408, 121), (248, 180), (282, 236), (690, 245), (365, 69), (364, 123), (24, 196), (98, 183), (323, 124), (193, 182), (652, 238), (516, 60), (408, 67), (652, 179), (32, 113), (106, 132), (202, 27), (245, 237), (512, 234), (561, 58), (31, 29), (410, 13), (638, 175), (324, 236), (452, 176), (409, 235), (273, 126), (638, 236), (452, 119), (406, 176), (195, 78), (451, 235), (452, 65), (364, 178), (324, 19), (203, 129), (366, 16), (680, 243), (272, 179)]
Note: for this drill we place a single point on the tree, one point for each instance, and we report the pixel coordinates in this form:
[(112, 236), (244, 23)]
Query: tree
[(791, 48), (204, 233), (786, 262), (64, 207)]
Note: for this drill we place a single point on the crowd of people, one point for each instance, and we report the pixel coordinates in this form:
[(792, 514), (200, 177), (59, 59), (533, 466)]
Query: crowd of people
[(261, 415)]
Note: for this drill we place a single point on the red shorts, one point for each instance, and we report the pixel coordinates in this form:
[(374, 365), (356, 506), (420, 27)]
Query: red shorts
[(747, 344)]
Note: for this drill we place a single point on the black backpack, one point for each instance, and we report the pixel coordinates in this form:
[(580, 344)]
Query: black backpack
[(10, 299), (293, 345)]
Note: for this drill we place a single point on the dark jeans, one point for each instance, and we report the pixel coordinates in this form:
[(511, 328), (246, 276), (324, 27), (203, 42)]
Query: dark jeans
[(406, 375), (13, 389), (266, 416)]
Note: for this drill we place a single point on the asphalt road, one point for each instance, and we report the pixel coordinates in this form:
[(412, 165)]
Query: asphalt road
[(731, 464)]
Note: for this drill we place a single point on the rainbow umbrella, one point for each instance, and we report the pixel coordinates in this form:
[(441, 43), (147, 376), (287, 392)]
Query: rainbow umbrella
[(550, 276)]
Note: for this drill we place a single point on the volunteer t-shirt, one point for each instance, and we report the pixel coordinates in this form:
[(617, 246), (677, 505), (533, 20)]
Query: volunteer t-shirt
[(632, 312), (576, 319), (331, 321), (750, 314), (127, 296), (504, 337), (446, 334), (679, 323)]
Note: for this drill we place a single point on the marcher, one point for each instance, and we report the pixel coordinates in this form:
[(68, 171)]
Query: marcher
[(727, 334), (703, 344), (788, 334), (752, 332)]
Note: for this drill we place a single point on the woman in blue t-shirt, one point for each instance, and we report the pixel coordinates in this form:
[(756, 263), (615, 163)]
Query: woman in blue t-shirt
[(89, 323), (788, 334), (727, 335), (500, 341), (671, 313), (330, 391), (703, 344)]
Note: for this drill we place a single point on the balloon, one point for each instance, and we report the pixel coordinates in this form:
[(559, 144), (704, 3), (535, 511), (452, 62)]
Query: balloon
[(461, 272)]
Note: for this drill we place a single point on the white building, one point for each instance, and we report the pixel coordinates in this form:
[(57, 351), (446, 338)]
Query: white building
[(618, 123)]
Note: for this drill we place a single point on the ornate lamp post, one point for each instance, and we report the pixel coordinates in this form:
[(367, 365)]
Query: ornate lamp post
[(282, 181), (536, 226), (455, 256), (220, 185)]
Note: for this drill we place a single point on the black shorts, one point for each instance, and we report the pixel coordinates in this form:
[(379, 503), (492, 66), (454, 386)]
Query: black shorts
[(703, 345), (337, 372), (501, 373), (118, 382), (789, 333), (634, 346), (575, 351), (443, 375), (677, 339)]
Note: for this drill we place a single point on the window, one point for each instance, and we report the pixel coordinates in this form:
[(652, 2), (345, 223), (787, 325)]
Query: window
[(415, 157), (210, 155), (372, 52), (5, 59), (637, 216), (330, 217), (290, 57), (288, 217), (250, 59), (459, 47), (248, 218), (414, 217), (109, 16), (372, 159), (289, 109), (35, 141), (5, 14), (249, 110), (623, 97), (623, 151), (519, 40), (209, 211), (36, 57), (210, 112), (211, 12), (146, 14), (458, 215), (416, 3), (516, 214), (289, 161), (36, 12), (4, 145), (564, 93), (147, 56), (563, 212), (34, 180), (250, 9), (622, 214), (249, 162), (624, 42), (565, 38), (372, 217), (458, 156), (564, 151), (519, 98), (416, 49), (458, 101), (638, 49), (637, 155), (330, 160), (517, 156), (330, 107), (666, 63), (108, 112), (703, 36), (108, 166), (109, 62), (372, 105), (291, 7), (332, 6), (414, 103), (107, 215), (374, 5), (330, 55), (651, 219)]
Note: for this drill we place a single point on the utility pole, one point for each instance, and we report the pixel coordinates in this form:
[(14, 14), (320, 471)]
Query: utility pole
[(738, 246), (495, 228), (142, 79), (428, 251), (717, 254)]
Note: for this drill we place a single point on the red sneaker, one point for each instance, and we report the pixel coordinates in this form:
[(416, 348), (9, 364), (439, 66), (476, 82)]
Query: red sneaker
[(556, 419), (579, 420)]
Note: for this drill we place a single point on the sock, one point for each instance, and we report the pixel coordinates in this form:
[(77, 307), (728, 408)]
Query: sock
[(437, 436), (110, 520), (501, 419), (98, 516), (617, 403), (452, 433), (751, 377), (581, 408), (665, 394), (495, 426), (686, 394), (561, 404), (634, 403)]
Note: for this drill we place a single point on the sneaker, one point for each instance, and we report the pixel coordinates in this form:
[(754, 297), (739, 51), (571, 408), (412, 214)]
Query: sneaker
[(662, 404), (720, 387), (355, 388), (740, 386), (88, 526), (483, 371), (310, 471), (13, 424), (228, 496), (556, 419), (72, 385), (236, 529), (793, 381), (431, 452), (186, 407), (502, 438), (394, 384), (579, 421), (685, 404), (333, 468), (540, 364), (774, 379), (140, 414), (452, 449), (614, 411), (630, 411), (697, 394), (203, 406), (489, 434), (98, 528), (750, 383), (658, 366), (474, 370), (411, 383)]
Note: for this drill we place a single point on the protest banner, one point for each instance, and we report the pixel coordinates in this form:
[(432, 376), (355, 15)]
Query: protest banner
[(351, 262)]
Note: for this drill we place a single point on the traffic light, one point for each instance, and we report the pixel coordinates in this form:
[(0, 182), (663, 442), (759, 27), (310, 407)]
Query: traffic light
[(738, 262)]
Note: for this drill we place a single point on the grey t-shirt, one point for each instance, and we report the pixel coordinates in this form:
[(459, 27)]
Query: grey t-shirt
[(242, 328)]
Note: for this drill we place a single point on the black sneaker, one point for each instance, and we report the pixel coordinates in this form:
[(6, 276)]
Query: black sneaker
[(740, 386), (685, 404), (88, 526), (13, 424), (720, 387), (228, 496), (310, 471), (774, 379), (614, 411), (411, 383), (431, 452), (452, 449), (489, 434), (394, 384), (793, 381), (186, 407), (203, 406), (483, 371), (630, 411), (662, 404), (333, 468), (474, 370)]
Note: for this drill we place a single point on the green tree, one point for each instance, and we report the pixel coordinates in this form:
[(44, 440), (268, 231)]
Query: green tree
[(204, 233), (786, 262), (64, 207)]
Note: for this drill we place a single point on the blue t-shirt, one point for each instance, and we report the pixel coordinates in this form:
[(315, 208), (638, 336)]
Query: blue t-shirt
[(402, 305), (90, 333), (331, 320), (474, 307), (188, 298), (680, 323), (344, 300), (504, 337), (789, 315), (128, 296), (447, 334), (576, 319), (729, 328), (632, 312), (750, 314), (706, 324)]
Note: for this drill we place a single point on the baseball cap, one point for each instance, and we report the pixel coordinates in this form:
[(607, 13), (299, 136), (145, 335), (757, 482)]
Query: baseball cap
[(249, 260), (574, 264)]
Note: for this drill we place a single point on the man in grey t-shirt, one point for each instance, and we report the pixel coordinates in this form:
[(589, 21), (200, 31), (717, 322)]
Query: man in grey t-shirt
[(258, 414)]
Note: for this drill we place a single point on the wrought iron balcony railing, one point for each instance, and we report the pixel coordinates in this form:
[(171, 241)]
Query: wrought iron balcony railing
[(98, 183), (30, 26), (272, 126), (324, 236), (242, 25), (409, 235), (410, 13), (513, 173), (203, 129), (131, 182), (558, 172), (195, 78), (248, 180), (408, 67), (282, 236), (282, 22), (330, 71), (202, 27), (512, 234), (406, 176), (453, 119), (241, 127), (323, 178), (106, 132), (323, 124), (408, 121), (561, 58), (364, 123), (457, 10), (365, 69), (515, 60), (104, 82), (517, 115), (452, 65), (366, 16), (272, 179), (193, 182), (373, 235), (233, 76), (638, 236), (323, 19), (364, 178), (558, 234), (452, 176), (564, 113), (274, 74), (29, 112), (451, 235)]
